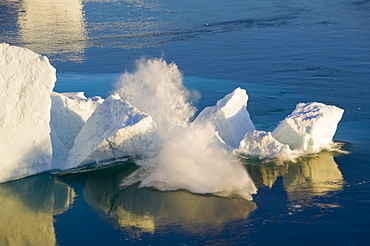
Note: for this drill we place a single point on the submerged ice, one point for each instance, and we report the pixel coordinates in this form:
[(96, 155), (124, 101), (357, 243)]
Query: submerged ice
[(149, 119)]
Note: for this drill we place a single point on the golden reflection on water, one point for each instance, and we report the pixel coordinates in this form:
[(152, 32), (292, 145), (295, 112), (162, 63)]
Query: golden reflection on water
[(60, 30), (53, 26), (308, 177), (145, 210), (27, 207)]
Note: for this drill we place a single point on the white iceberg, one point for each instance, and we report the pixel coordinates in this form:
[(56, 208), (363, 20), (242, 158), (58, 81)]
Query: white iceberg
[(230, 117), (263, 145), (69, 112), (310, 127), (26, 81), (116, 129)]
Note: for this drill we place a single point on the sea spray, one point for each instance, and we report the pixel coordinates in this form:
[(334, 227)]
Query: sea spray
[(157, 88), (193, 158)]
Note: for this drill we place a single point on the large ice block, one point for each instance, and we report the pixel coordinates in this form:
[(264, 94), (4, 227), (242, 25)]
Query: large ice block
[(230, 117), (116, 129), (26, 81), (310, 127)]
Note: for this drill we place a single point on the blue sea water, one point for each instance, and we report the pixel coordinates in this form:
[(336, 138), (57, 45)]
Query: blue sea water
[(281, 52)]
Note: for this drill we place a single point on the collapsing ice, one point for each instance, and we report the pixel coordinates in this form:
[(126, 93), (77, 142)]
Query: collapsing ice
[(148, 119)]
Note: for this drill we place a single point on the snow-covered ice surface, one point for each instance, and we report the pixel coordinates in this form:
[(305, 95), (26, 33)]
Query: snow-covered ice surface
[(115, 129), (230, 117), (69, 112), (26, 81)]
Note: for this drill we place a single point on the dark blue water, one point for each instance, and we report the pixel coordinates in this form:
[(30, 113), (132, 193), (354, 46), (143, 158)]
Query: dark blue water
[(281, 52)]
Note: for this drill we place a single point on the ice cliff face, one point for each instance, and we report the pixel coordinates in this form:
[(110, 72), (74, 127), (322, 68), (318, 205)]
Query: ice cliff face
[(26, 81)]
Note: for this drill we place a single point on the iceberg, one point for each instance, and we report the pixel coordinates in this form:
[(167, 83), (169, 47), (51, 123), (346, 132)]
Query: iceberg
[(43, 130), (230, 117), (310, 127), (115, 130), (26, 81), (69, 112)]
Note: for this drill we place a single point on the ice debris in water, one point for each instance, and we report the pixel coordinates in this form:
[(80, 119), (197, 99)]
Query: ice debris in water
[(262, 144), (43, 130), (26, 81)]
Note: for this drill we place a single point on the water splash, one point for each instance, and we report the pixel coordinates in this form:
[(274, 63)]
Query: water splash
[(157, 89), (194, 159), (192, 156)]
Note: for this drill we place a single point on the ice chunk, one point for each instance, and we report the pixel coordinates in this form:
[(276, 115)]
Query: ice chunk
[(263, 145), (26, 81), (69, 112), (116, 129), (310, 127), (230, 117)]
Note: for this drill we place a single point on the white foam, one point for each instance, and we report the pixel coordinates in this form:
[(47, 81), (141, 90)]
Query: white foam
[(230, 117), (192, 158), (157, 89), (26, 81)]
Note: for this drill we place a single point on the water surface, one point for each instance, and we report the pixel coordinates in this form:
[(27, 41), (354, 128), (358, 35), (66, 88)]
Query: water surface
[(281, 52)]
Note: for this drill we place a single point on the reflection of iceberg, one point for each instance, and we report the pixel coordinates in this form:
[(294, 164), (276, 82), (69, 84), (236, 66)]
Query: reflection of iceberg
[(53, 26), (314, 177), (144, 210), (27, 207), (308, 177)]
